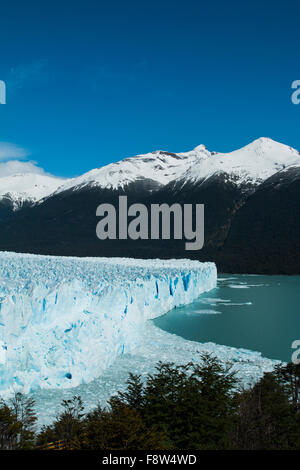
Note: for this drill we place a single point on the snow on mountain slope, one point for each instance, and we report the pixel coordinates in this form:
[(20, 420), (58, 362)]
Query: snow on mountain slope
[(27, 187), (161, 167), (63, 321), (253, 163)]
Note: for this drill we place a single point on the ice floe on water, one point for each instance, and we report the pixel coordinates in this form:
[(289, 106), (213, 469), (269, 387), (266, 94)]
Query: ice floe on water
[(238, 286), (213, 300), (237, 304), (203, 311)]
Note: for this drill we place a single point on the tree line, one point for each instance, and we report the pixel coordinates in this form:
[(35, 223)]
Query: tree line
[(191, 407)]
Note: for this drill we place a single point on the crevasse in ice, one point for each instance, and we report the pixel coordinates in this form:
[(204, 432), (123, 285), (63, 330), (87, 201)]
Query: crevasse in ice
[(63, 321)]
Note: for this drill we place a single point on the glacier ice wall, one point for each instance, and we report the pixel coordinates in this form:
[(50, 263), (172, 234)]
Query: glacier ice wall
[(63, 321), (155, 345)]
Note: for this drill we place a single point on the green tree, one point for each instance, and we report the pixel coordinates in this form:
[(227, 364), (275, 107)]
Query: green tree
[(193, 404), (46, 435), (134, 394), (120, 428), (67, 427), (24, 412), (289, 376), (265, 416), (9, 428)]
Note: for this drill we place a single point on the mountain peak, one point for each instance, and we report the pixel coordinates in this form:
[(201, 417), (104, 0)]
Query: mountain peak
[(200, 148), (21, 187), (253, 163), (266, 145)]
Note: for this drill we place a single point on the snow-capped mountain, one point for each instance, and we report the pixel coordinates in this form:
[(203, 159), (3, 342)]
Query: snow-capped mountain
[(27, 187), (160, 167), (251, 198), (251, 164)]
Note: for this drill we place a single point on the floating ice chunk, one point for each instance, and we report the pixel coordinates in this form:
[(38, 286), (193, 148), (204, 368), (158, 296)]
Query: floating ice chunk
[(205, 311), (238, 304), (213, 301), (238, 286)]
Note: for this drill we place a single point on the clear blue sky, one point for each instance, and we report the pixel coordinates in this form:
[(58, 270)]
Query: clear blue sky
[(90, 82)]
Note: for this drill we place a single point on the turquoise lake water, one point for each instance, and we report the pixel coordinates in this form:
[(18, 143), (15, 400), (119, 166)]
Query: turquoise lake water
[(261, 313)]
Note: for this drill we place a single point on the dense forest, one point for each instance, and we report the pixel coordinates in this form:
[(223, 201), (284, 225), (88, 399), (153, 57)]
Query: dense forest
[(191, 407)]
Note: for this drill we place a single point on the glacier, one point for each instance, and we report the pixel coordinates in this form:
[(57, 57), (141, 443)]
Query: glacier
[(155, 345), (64, 321)]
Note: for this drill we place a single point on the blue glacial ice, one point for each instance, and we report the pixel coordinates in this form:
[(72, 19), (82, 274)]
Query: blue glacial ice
[(65, 321)]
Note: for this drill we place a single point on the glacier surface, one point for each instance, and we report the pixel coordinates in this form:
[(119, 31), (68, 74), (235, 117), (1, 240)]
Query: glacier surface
[(64, 321), (155, 345)]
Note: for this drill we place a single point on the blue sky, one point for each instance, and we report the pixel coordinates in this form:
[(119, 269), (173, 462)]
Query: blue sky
[(90, 82)]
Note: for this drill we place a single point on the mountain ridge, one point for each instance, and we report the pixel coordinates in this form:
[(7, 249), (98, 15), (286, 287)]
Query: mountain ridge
[(252, 164), (251, 198)]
